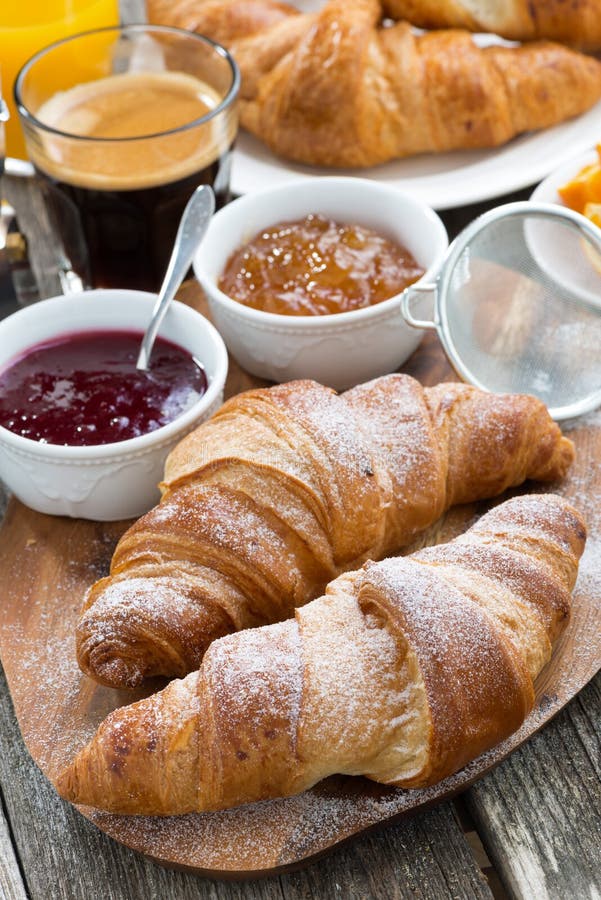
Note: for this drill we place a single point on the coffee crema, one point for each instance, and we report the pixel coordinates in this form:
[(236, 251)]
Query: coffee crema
[(131, 131)]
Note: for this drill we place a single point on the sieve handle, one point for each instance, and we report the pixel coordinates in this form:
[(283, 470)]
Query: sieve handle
[(407, 296)]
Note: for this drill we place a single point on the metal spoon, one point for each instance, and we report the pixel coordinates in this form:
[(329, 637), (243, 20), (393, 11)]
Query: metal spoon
[(192, 227)]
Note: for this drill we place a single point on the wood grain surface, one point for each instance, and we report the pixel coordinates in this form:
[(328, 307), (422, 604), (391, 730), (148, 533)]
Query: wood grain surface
[(48, 562), (11, 883), (539, 814)]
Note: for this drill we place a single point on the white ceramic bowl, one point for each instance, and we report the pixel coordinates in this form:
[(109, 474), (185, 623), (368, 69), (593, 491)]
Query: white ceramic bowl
[(108, 481), (341, 349)]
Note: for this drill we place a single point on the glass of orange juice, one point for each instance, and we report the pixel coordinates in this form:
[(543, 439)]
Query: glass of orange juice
[(28, 25)]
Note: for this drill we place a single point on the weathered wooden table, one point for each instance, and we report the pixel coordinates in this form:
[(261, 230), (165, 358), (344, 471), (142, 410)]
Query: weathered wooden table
[(530, 829)]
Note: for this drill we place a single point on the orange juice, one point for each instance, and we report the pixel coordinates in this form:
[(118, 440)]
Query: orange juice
[(27, 26)]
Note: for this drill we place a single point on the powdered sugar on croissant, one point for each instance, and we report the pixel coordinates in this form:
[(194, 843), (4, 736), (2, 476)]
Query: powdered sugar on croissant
[(403, 671), (284, 489)]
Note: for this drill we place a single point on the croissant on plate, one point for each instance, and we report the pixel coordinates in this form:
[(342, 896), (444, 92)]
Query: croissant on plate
[(404, 671), (519, 20), (336, 88), (285, 488), (223, 21), (352, 93)]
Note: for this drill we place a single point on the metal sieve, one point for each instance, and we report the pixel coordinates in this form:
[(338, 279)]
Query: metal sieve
[(517, 305)]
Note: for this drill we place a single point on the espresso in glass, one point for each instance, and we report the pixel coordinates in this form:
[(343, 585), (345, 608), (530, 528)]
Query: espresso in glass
[(119, 157)]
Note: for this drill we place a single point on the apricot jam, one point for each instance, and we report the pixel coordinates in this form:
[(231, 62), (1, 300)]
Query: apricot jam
[(83, 389), (315, 267)]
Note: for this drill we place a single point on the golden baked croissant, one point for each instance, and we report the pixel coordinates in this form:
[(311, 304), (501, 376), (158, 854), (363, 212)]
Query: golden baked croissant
[(222, 20), (337, 89), (520, 20), (355, 94), (404, 671), (287, 487)]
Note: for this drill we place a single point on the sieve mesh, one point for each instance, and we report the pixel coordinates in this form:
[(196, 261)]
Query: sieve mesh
[(520, 308)]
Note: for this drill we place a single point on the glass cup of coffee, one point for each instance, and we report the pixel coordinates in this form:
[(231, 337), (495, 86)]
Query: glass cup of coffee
[(121, 125)]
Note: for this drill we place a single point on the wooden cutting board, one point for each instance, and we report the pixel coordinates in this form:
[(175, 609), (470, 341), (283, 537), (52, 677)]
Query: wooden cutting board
[(47, 563)]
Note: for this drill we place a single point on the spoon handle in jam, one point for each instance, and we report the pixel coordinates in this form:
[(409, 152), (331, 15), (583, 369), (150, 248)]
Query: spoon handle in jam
[(192, 227)]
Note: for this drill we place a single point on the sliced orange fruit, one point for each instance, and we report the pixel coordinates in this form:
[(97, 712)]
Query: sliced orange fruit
[(584, 188)]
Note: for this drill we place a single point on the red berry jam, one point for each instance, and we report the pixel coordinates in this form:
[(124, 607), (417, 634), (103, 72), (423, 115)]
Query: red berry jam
[(84, 389)]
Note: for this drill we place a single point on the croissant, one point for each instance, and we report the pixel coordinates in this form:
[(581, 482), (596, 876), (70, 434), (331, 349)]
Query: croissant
[(336, 88), (521, 20), (354, 94), (404, 671), (284, 489), (223, 20)]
